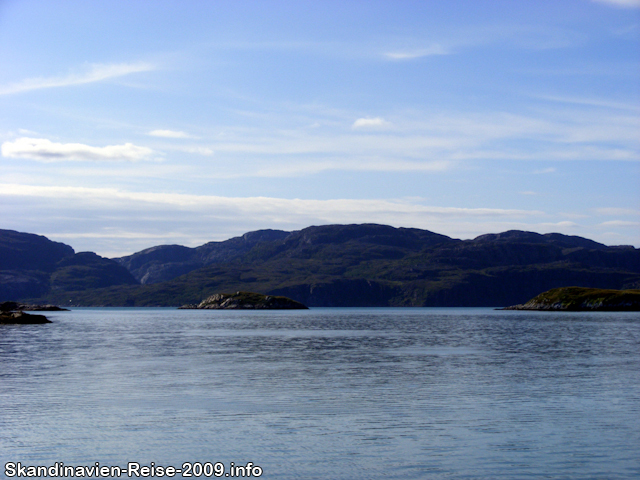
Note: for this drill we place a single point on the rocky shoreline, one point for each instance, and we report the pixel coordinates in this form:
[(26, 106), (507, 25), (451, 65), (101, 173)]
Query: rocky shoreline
[(14, 313), (22, 318)]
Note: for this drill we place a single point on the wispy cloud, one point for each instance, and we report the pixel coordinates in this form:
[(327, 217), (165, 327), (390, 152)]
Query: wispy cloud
[(590, 102), (549, 134), (169, 134), (435, 49), (376, 122), (206, 151), (258, 206), (103, 216), (190, 217), (617, 211), (94, 73), (44, 150), (620, 3), (620, 223)]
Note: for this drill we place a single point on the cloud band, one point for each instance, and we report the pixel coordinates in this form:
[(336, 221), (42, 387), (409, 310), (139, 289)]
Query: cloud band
[(44, 150)]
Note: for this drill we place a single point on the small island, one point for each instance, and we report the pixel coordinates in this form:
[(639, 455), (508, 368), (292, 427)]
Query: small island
[(579, 299), (28, 307), (247, 301), (12, 314)]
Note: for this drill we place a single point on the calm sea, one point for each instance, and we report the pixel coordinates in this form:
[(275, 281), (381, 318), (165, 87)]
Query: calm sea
[(327, 393)]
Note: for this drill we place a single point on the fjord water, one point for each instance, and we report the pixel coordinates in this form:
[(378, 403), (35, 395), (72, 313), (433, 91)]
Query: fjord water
[(328, 393)]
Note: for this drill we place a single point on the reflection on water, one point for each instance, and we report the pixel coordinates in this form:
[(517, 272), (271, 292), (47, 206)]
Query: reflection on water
[(328, 393)]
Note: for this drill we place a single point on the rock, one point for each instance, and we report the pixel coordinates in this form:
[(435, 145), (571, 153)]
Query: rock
[(9, 306), (21, 318), (13, 313), (247, 301), (14, 306), (42, 308), (583, 299)]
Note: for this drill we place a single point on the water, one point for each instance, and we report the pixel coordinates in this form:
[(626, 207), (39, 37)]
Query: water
[(328, 393)]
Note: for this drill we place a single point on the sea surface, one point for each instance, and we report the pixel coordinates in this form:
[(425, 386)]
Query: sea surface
[(415, 393)]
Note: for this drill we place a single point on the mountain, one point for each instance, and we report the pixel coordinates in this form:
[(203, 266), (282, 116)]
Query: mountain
[(32, 266), (165, 262), (364, 265)]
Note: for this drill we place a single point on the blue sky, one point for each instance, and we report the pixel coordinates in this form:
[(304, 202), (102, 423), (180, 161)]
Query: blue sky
[(129, 124)]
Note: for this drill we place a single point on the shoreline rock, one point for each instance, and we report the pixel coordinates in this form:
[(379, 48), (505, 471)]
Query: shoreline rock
[(16, 306), (246, 301), (22, 318), (580, 299), (12, 313)]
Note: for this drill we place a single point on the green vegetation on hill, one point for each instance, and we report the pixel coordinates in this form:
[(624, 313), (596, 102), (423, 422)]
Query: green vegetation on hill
[(351, 265), (583, 299)]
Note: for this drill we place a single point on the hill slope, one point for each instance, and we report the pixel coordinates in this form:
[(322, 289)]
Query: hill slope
[(32, 266), (374, 265)]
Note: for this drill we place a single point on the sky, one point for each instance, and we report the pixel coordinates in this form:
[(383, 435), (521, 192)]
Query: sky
[(130, 124)]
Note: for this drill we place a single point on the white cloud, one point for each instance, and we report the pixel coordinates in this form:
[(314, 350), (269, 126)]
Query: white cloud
[(196, 219), (590, 102), (370, 123), (617, 211), (95, 73), (199, 150), (563, 224), (101, 219), (435, 49), (169, 134), (258, 206), (620, 3), (620, 223), (44, 150)]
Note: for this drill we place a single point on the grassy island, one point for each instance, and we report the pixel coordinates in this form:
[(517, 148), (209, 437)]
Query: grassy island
[(583, 299)]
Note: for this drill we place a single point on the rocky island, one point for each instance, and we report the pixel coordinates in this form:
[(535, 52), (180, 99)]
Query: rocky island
[(247, 301), (26, 307), (11, 313), (578, 299)]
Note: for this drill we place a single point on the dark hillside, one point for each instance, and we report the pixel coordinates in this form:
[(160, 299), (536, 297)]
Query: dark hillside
[(26, 251), (378, 265), (166, 262), (338, 265), (32, 266), (86, 270)]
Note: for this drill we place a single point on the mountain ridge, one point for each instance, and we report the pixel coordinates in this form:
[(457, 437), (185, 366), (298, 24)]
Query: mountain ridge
[(362, 265)]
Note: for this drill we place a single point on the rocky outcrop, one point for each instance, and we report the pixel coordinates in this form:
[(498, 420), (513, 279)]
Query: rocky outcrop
[(10, 313), (247, 301), (15, 306), (21, 318), (583, 299)]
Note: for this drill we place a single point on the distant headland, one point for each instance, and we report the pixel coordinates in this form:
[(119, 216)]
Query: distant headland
[(583, 299)]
